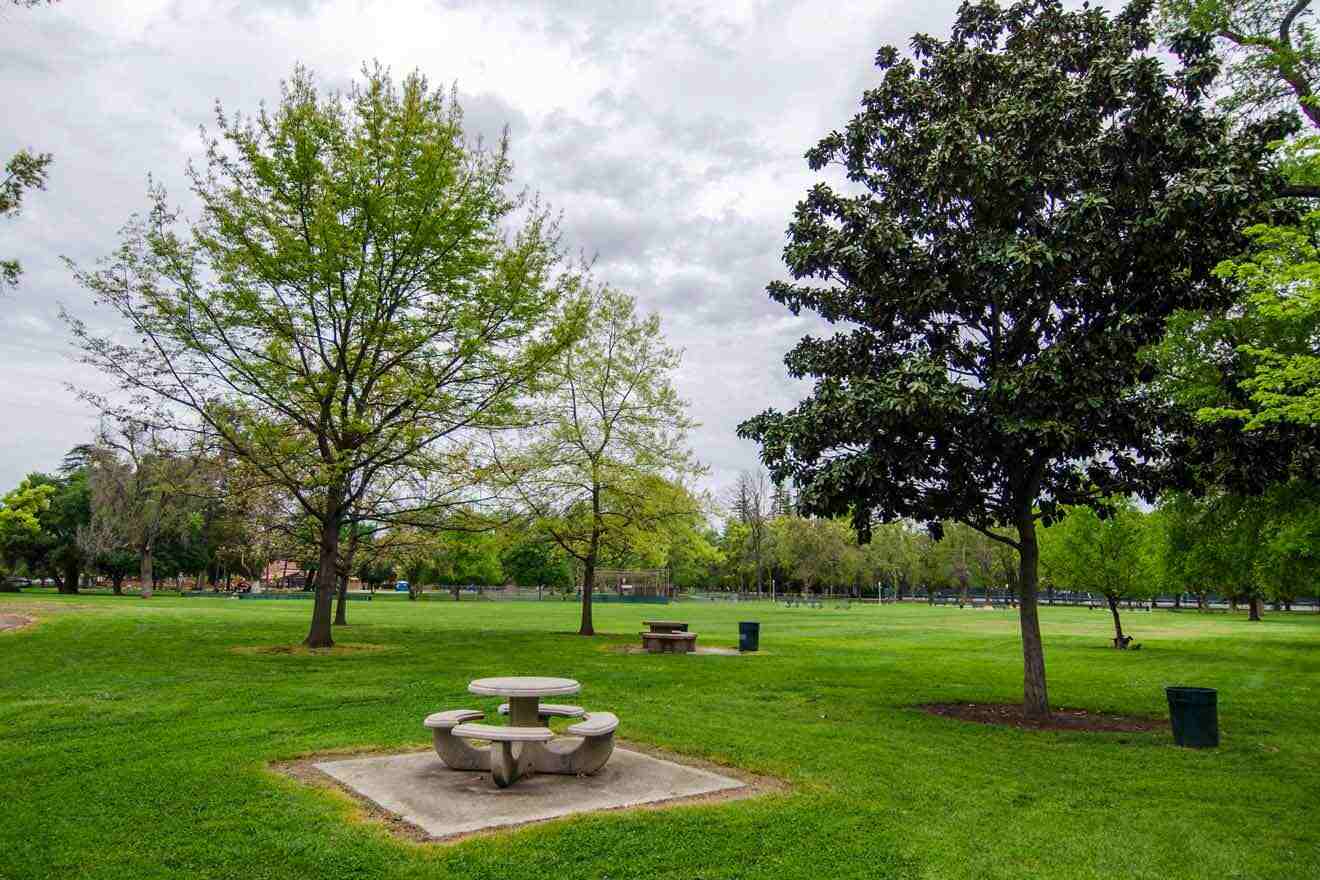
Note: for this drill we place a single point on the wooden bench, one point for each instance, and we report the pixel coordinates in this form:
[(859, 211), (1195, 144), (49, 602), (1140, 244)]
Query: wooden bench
[(669, 643), (546, 711), (506, 768)]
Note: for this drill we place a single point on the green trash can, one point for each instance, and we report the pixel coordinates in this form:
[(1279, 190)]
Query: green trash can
[(1194, 716), (749, 636)]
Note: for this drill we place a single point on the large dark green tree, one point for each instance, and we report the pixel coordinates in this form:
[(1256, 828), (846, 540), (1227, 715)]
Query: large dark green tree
[(1027, 202)]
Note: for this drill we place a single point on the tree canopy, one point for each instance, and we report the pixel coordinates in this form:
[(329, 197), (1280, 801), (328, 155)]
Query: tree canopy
[(359, 295), (1028, 203), (604, 454)]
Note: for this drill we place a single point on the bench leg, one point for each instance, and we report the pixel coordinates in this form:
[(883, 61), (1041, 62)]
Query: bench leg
[(457, 753), (510, 762), (503, 764)]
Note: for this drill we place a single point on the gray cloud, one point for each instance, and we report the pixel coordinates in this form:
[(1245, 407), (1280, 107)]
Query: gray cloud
[(670, 135)]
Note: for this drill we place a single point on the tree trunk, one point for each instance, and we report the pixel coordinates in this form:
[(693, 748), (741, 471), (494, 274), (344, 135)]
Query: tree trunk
[(588, 581), (68, 583), (1253, 606), (319, 635), (147, 584), (117, 583), (589, 565), (1119, 641), (1035, 699), (341, 612)]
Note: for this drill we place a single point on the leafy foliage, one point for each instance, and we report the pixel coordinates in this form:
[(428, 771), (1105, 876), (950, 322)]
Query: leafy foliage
[(1274, 57), (1030, 201), (353, 303), (604, 455)]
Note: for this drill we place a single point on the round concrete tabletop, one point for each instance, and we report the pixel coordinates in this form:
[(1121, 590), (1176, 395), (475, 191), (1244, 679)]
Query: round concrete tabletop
[(524, 686)]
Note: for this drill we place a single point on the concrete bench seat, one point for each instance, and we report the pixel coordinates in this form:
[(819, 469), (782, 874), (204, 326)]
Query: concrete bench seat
[(456, 752), (504, 733), (585, 750), (595, 724), (669, 643), (447, 720), (551, 710)]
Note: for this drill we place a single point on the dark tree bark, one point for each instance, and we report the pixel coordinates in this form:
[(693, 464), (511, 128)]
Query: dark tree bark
[(589, 566), (588, 582), (117, 583), (341, 612), (66, 582), (319, 635), (147, 582), (1253, 607), (1119, 641), (1035, 699)]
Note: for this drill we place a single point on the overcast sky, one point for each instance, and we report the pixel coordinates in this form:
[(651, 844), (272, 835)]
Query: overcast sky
[(670, 134)]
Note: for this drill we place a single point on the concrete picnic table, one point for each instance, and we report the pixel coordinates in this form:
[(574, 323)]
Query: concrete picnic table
[(665, 626), (585, 750), (668, 637), (524, 693)]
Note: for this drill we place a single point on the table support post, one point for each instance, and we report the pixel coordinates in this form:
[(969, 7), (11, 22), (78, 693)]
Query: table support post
[(523, 711)]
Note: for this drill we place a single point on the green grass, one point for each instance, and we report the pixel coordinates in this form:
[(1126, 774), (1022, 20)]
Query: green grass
[(136, 741)]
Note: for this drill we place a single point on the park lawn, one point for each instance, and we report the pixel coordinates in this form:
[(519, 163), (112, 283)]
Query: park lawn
[(137, 740)]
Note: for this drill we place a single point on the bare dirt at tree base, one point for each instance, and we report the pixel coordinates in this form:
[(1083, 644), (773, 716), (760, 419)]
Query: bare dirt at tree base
[(1010, 715), (13, 621)]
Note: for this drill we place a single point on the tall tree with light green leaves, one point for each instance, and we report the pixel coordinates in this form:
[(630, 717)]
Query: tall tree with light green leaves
[(358, 297), (604, 454), (1109, 554), (1250, 373), (1272, 54)]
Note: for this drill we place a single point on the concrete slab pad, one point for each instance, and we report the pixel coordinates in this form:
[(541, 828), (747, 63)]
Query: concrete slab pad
[(421, 790)]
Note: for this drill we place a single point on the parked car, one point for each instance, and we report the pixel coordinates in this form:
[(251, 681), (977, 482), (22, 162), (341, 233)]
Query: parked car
[(401, 587)]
